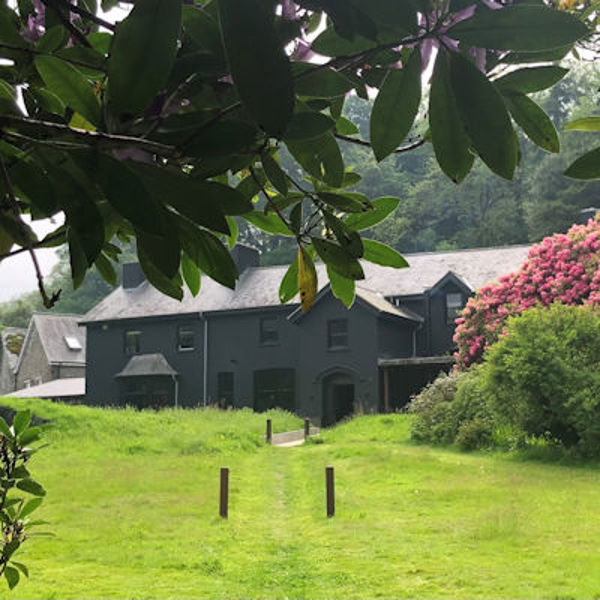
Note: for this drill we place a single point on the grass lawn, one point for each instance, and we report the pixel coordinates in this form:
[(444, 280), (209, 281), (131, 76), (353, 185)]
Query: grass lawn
[(133, 500)]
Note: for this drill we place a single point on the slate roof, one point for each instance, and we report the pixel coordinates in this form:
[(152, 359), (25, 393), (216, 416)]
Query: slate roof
[(380, 304), (258, 286), (142, 365), (57, 388), (53, 329), (11, 357)]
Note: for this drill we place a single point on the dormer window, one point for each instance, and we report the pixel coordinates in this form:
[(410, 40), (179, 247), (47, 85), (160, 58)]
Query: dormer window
[(454, 304), (73, 343), (269, 332)]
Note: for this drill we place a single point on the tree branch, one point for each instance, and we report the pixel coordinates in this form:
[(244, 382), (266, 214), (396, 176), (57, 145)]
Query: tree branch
[(82, 12), (74, 31), (33, 52), (42, 130), (358, 142)]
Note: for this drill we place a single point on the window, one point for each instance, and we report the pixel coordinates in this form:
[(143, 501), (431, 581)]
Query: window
[(454, 304), (269, 333), (337, 334), (225, 389), (73, 343), (132, 342), (185, 339), (274, 388)]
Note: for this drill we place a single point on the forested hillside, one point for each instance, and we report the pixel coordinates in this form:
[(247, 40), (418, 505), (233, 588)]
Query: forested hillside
[(434, 213)]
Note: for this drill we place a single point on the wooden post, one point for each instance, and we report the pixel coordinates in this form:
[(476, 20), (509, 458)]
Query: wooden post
[(269, 431), (306, 427), (386, 390), (224, 497), (329, 481)]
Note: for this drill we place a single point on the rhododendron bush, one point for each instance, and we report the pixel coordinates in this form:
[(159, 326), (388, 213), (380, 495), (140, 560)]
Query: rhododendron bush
[(562, 268)]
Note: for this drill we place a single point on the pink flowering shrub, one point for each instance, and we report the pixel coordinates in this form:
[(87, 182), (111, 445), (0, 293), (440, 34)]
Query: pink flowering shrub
[(562, 268)]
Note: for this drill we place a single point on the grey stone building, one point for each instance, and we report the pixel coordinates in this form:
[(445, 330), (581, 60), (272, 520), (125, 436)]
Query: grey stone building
[(11, 342), (54, 348), (242, 348)]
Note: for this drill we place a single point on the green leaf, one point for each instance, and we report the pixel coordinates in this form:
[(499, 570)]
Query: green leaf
[(585, 124), (396, 107), (346, 127), (289, 284), (142, 55), (30, 435), (338, 259), (330, 43), (213, 258), (275, 173), (191, 274), (382, 207), (12, 576), (270, 223), (391, 13), (5, 429), (31, 487), (203, 29), (484, 115), (221, 138), (106, 269), (342, 288), (259, 65), (21, 567), (321, 158), (8, 99), (534, 121), (321, 83), (528, 81), (344, 203), (21, 421), (586, 166), (233, 236), (348, 239), (169, 286), (123, 189), (307, 125), (521, 27), (448, 135), (29, 507), (64, 80), (381, 254), (164, 250)]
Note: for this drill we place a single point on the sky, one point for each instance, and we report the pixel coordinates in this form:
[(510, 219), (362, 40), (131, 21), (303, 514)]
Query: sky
[(17, 274)]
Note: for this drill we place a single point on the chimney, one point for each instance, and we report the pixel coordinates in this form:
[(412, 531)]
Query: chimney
[(245, 257), (585, 214), (132, 275)]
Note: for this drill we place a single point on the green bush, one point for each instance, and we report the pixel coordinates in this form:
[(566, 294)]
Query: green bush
[(543, 375), (452, 409)]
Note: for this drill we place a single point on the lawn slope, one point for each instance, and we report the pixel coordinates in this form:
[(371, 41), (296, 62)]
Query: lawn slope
[(133, 500)]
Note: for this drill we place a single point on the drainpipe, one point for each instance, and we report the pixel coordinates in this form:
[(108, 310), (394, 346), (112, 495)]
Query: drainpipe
[(176, 390), (414, 341), (205, 365), (428, 320)]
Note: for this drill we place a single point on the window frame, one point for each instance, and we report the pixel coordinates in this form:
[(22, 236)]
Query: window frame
[(331, 335), (263, 334), (126, 347), (453, 310), (185, 330)]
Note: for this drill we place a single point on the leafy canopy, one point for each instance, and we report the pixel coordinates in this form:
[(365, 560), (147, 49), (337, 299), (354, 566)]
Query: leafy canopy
[(167, 126)]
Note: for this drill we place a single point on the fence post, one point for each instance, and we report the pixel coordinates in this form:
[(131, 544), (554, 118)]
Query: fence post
[(306, 427), (269, 436), (329, 483), (224, 496)]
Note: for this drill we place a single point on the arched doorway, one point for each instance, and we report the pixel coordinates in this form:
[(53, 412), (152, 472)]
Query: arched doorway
[(338, 396)]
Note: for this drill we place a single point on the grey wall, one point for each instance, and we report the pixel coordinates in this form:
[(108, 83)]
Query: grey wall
[(441, 332), (34, 364), (235, 347), (106, 356), (395, 338), (7, 377), (315, 361)]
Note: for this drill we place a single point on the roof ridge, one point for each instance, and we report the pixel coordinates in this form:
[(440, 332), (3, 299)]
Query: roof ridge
[(51, 314)]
